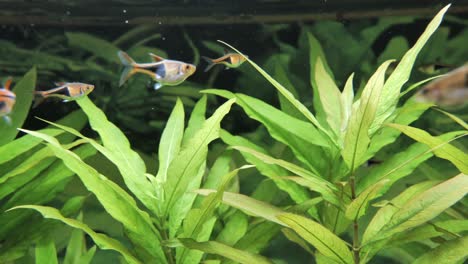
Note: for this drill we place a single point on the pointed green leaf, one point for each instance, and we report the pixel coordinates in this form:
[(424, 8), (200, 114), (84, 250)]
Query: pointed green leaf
[(453, 251), (358, 206), (357, 136), (119, 204), (385, 214), (187, 164), (213, 247), (330, 96), (171, 139), (427, 205), (24, 91), (248, 205), (318, 236), (322, 186), (272, 171), (197, 117), (347, 98), (454, 118), (444, 151), (131, 166), (391, 90), (288, 95), (103, 241), (46, 252)]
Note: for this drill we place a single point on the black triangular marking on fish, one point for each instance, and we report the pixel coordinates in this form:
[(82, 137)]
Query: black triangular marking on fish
[(65, 91), (161, 71), (2, 104)]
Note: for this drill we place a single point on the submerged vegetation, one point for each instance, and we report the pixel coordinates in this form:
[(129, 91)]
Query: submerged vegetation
[(341, 175)]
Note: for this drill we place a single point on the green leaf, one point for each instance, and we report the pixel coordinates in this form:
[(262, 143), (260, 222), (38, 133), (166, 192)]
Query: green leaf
[(358, 206), (329, 95), (357, 137), (318, 236), (430, 230), (183, 171), (288, 95), (322, 186), (441, 150), (171, 139), (103, 241), (235, 227), (453, 251), (347, 98), (197, 117), (116, 201), (427, 205), (76, 249), (248, 205), (272, 171), (391, 90), (402, 164), (118, 150), (385, 214), (24, 91), (213, 247), (404, 116), (96, 46), (454, 118), (46, 252)]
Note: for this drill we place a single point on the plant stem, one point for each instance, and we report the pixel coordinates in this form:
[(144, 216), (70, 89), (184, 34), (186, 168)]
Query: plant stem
[(352, 183), (167, 251)]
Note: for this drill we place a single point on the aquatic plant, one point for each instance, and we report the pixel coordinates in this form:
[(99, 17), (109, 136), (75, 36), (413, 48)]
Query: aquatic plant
[(330, 149), (30, 173)]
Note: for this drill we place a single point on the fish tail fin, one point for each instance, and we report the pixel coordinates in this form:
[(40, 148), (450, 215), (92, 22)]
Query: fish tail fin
[(210, 63), (129, 69), (127, 72), (39, 97)]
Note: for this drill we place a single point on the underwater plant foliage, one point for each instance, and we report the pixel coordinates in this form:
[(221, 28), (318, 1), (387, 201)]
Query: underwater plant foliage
[(316, 189)]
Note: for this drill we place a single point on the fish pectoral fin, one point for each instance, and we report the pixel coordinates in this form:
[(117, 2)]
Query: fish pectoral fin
[(7, 120), (157, 86), (156, 58), (66, 101)]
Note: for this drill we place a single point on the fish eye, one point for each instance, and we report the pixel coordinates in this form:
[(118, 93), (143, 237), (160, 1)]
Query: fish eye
[(424, 91), (187, 67)]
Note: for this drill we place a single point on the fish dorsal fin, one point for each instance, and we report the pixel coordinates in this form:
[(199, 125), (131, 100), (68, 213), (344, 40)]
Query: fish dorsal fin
[(8, 83), (156, 58), (60, 83)]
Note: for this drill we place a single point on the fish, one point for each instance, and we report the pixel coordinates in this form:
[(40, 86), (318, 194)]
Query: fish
[(448, 91), (7, 100), (229, 59), (162, 71), (68, 91), (435, 68)]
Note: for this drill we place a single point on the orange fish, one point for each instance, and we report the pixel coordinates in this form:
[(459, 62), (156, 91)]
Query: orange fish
[(231, 60), (7, 100), (450, 90), (164, 72)]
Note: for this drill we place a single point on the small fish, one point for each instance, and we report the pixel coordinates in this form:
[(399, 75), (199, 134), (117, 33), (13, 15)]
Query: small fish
[(164, 72), (7, 100), (65, 90), (450, 90), (434, 68), (231, 60)]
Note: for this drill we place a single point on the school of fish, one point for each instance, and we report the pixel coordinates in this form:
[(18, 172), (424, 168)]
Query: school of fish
[(163, 71), (448, 91)]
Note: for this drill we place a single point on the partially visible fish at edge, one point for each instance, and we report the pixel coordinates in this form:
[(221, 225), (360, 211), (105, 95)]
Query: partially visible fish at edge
[(7, 100), (448, 91), (163, 71)]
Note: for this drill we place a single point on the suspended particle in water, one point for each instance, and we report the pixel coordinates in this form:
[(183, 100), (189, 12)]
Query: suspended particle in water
[(163, 38), (124, 11), (68, 13), (160, 23), (126, 21)]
